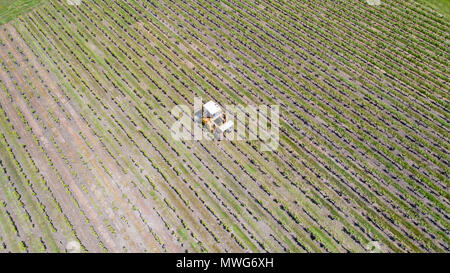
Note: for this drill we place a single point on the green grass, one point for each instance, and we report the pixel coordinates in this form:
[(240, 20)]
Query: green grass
[(441, 6), (10, 9)]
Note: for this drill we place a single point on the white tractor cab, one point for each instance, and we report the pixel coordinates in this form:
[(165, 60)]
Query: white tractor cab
[(216, 119)]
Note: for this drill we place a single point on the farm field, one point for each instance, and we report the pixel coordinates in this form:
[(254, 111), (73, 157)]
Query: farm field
[(87, 156)]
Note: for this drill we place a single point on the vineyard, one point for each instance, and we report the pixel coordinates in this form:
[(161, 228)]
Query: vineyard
[(87, 155)]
